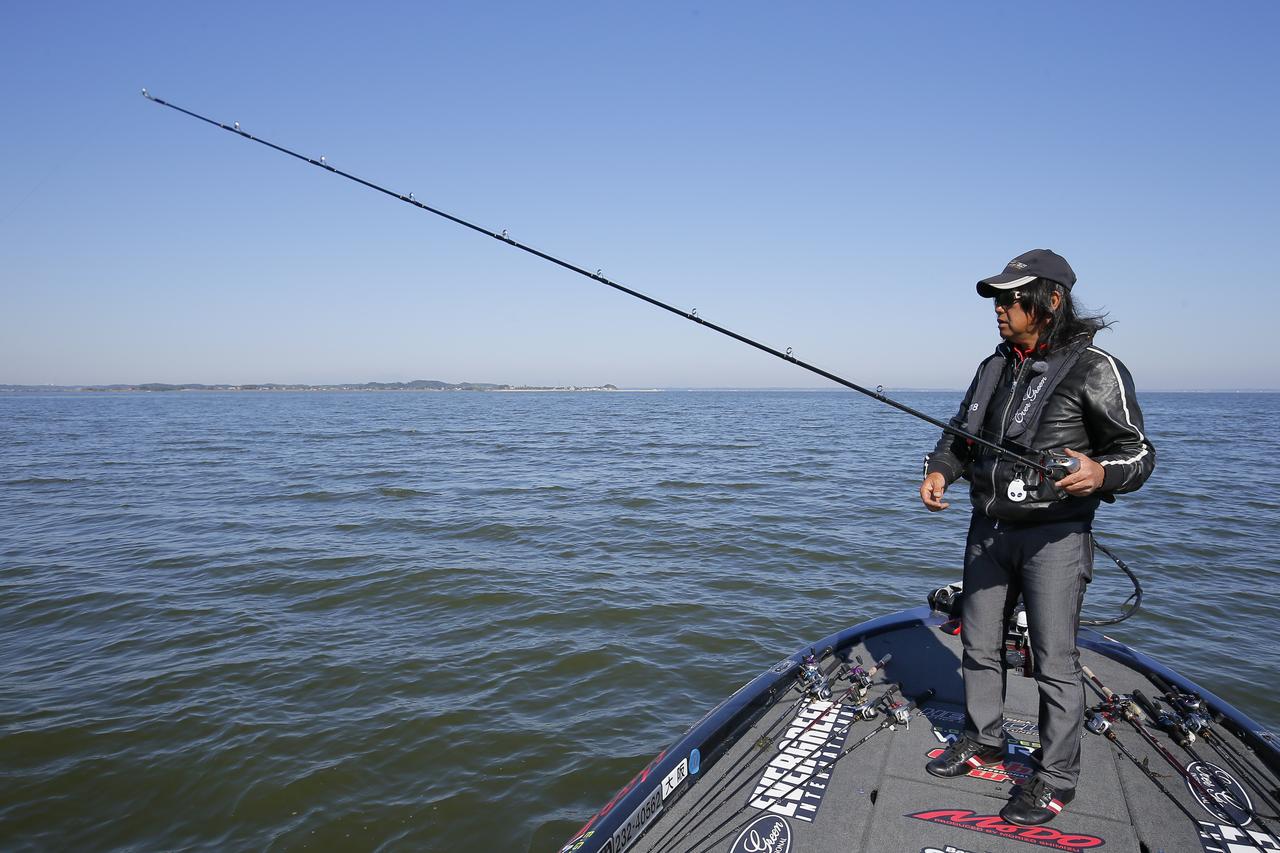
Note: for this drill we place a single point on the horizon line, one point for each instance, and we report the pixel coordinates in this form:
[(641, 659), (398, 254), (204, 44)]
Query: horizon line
[(321, 386)]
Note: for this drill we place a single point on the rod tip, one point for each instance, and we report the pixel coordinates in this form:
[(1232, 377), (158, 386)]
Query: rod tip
[(146, 94)]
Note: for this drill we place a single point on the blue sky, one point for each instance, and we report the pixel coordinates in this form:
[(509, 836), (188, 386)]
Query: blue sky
[(829, 177)]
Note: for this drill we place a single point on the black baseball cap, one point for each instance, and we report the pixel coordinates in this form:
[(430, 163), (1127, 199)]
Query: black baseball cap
[(1027, 267)]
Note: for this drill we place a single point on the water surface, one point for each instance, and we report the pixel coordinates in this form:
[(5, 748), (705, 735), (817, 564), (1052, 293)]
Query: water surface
[(455, 621)]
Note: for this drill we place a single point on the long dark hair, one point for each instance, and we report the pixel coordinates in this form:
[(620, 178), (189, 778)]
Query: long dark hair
[(1065, 324)]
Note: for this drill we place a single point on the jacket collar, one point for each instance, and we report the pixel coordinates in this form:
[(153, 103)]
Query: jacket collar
[(1017, 354)]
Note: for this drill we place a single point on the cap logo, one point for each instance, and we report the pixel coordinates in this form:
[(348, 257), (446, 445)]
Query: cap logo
[(1017, 265)]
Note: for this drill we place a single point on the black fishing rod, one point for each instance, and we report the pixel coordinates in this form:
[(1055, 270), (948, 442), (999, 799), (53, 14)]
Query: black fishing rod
[(698, 810), (1224, 747), (1173, 725), (1052, 470), (1053, 466), (1184, 724), (1123, 707), (1199, 719), (863, 677), (1239, 761), (1099, 721), (896, 714), (859, 686), (813, 687)]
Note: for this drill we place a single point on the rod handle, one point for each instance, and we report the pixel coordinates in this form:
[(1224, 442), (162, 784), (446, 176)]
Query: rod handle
[(1161, 685), (1106, 691), (1147, 705)]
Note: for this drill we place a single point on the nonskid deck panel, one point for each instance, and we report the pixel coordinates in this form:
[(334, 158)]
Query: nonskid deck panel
[(879, 797)]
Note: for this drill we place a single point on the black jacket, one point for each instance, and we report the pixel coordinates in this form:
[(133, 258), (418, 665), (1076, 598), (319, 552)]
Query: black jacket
[(1092, 409)]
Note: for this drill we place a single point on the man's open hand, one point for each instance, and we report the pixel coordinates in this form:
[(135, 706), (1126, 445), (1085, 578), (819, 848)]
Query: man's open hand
[(931, 491)]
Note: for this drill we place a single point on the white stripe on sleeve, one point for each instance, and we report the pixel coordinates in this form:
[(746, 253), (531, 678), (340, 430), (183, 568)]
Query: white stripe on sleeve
[(1124, 401)]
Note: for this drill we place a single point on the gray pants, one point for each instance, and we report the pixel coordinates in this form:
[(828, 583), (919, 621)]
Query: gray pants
[(1049, 564)]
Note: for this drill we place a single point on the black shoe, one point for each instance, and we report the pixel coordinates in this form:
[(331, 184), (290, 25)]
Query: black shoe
[(1036, 802), (965, 755)]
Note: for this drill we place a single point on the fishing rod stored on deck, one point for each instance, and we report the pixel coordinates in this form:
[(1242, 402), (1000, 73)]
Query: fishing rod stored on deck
[(861, 680), (896, 713), (1099, 721), (1173, 724), (1185, 722), (1118, 706), (1202, 720), (1050, 464)]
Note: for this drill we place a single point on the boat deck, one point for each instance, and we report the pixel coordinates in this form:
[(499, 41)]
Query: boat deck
[(880, 798)]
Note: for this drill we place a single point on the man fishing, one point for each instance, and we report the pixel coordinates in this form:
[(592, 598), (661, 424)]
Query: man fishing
[(1046, 391)]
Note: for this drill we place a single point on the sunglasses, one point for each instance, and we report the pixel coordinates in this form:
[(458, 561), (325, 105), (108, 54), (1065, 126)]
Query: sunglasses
[(1006, 298)]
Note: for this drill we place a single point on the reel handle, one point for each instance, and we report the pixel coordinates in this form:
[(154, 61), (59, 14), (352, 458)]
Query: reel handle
[(1060, 465)]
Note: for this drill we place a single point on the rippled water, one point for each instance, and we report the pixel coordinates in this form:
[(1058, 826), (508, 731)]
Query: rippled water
[(452, 621)]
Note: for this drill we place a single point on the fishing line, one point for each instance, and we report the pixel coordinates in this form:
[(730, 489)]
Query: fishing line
[(58, 165), (1049, 470)]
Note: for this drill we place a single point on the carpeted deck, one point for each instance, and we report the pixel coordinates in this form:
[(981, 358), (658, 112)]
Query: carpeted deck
[(769, 793)]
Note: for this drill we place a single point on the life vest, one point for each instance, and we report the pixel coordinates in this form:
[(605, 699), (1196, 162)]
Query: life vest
[(1051, 368)]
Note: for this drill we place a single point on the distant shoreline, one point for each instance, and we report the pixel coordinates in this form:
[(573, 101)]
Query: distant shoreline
[(276, 387), (403, 387)]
